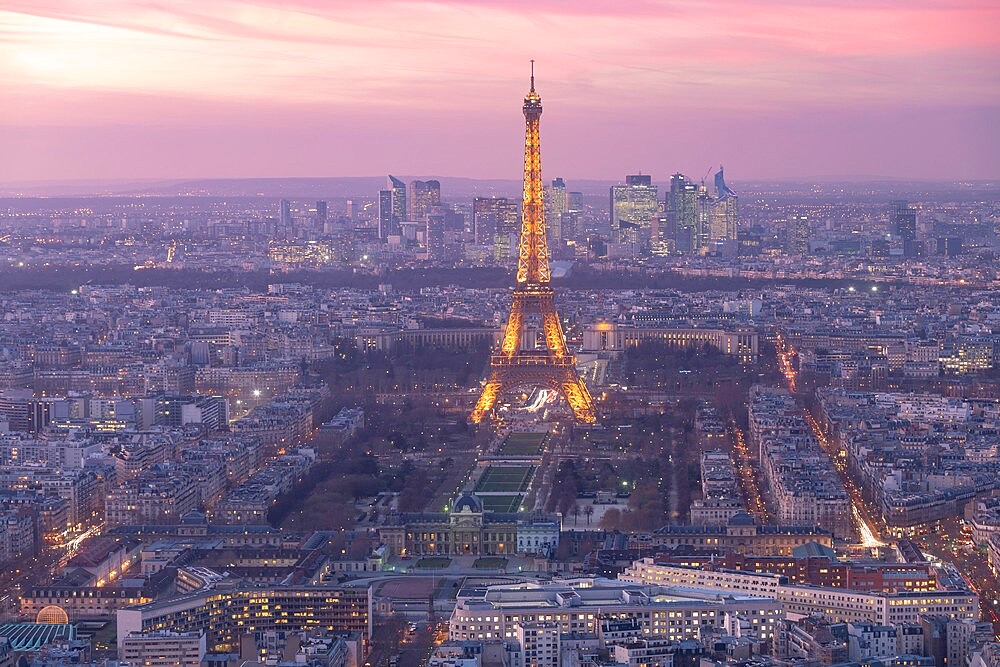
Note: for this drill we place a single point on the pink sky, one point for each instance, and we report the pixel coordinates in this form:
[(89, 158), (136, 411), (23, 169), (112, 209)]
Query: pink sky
[(772, 89)]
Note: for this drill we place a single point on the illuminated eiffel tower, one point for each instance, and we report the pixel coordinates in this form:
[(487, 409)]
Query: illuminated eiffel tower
[(519, 362)]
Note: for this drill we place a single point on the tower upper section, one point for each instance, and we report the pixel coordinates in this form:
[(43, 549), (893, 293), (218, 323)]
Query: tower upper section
[(533, 250), (532, 101)]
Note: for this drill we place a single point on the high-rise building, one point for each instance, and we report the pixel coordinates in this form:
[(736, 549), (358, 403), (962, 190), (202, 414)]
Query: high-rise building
[(399, 208), (284, 227), (321, 213), (285, 219), (569, 226), (683, 204), (574, 202), (950, 246), (556, 203), (703, 217), (661, 239), (351, 209), (493, 217), (391, 208), (572, 224), (386, 223), (725, 211), (904, 222), (434, 234), (423, 195), (797, 235), (633, 207)]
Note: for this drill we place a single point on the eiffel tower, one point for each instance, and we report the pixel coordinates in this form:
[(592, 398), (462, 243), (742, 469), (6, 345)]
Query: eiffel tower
[(518, 362)]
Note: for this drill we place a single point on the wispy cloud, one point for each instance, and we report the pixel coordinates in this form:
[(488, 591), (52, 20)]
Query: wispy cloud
[(188, 62)]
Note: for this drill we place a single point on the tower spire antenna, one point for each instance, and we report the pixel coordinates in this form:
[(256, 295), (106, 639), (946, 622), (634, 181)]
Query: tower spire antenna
[(532, 75)]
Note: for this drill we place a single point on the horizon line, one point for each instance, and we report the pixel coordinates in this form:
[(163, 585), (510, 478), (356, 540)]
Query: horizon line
[(167, 180)]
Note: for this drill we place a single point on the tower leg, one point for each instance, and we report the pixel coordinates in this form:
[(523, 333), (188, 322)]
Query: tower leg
[(488, 399), (579, 399), (555, 340), (512, 334)]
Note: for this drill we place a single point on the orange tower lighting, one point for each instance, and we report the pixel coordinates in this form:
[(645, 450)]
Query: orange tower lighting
[(516, 364)]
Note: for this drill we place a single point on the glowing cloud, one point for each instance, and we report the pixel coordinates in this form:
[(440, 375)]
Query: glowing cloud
[(371, 78)]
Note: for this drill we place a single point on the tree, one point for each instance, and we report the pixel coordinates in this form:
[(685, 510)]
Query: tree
[(389, 633), (589, 512), (611, 519), (576, 513), (360, 548)]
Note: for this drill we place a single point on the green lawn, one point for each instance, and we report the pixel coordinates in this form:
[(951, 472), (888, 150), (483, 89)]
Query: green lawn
[(500, 503), (510, 479), (490, 563), (523, 444), (434, 563)]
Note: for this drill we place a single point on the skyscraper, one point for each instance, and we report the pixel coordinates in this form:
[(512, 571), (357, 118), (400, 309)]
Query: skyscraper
[(321, 213), (904, 221), (569, 226), (797, 235), (633, 206), (391, 208), (387, 225), (703, 217), (904, 226), (284, 229), (286, 213), (661, 239), (556, 203), (725, 211), (682, 204), (434, 233), (493, 217), (572, 223), (398, 189), (423, 195)]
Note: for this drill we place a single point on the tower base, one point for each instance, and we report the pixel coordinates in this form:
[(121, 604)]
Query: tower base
[(509, 375)]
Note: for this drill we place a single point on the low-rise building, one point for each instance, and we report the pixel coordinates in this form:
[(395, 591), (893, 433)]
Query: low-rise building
[(740, 534), (495, 613), (163, 649), (469, 529), (798, 601)]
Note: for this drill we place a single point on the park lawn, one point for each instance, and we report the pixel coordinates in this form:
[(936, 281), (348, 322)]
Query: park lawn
[(501, 503), (509, 479), (523, 444), (434, 563)]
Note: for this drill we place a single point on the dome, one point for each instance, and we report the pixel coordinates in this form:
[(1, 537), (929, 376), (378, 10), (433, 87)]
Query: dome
[(52, 615), (467, 502)]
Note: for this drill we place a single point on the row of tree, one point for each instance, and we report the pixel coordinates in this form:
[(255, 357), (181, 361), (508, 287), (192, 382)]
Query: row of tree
[(583, 277)]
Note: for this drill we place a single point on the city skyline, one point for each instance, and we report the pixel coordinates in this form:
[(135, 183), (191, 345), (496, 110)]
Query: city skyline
[(772, 90)]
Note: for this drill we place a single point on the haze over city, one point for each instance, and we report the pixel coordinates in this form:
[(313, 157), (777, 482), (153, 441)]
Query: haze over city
[(774, 90)]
